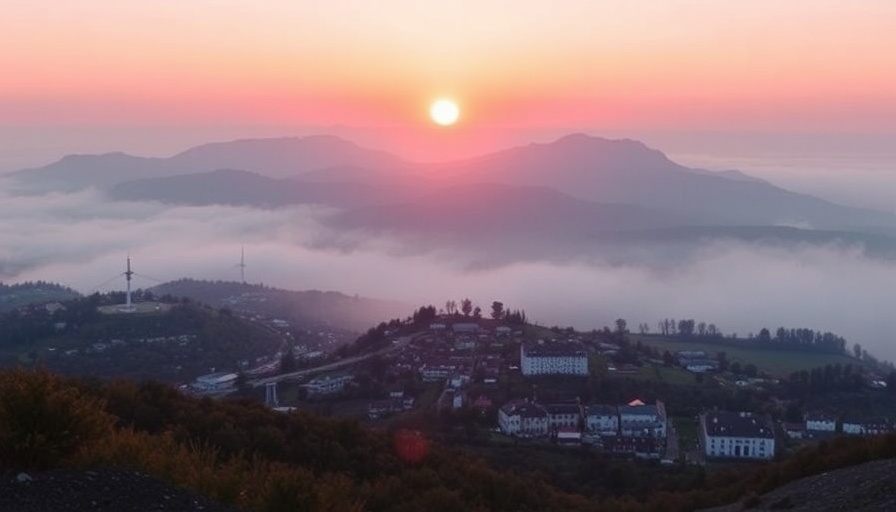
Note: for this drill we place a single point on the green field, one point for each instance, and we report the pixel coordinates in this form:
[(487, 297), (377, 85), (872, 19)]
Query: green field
[(676, 376), (779, 363)]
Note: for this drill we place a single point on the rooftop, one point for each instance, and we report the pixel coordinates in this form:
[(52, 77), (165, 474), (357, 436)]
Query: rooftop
[(555, 350), (738, 424)]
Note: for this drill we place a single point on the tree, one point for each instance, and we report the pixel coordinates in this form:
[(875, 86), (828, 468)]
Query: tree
[(668, 359), (735, 368), (477, 312), (621, 326), (288, 361), (765, 336), (242, 382), (686, 328), (466, 307), (857, 350), (701, 329), (497, 310), (723, 361)]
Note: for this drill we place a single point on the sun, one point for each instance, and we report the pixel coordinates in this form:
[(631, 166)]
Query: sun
[(444, 112)]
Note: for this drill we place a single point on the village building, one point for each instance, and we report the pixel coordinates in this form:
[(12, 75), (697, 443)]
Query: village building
[(637, 419), (739, 435), (524, 419), (818, 424), (327, 384), (562, 416), (215, 382), (602, 419), (553, 359), (865, 426)]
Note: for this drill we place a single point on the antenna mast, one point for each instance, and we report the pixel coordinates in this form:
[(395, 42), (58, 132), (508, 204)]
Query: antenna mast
[(128, 307), (242, 265)]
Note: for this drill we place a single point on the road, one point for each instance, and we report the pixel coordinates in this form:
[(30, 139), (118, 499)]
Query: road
[(401, 343)]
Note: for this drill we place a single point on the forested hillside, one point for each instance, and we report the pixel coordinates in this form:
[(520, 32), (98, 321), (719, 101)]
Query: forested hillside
[(242, 453)]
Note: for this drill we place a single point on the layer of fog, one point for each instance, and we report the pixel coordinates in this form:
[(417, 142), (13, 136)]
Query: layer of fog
[(82, 240), (865, 181)]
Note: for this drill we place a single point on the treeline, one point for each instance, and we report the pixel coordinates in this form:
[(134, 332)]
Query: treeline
[(23, 294), (831, 377), (801, 339), (34, 285)]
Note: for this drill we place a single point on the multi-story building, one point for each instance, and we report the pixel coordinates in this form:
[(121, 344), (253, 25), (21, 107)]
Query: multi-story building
[(553, 359), (637, 419), (818, 424), (563, 416), (742, 435), (602, 419), (524, 419), (865, 426)]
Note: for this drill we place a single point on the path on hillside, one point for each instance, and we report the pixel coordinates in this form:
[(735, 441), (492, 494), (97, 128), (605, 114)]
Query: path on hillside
[(400, 343)]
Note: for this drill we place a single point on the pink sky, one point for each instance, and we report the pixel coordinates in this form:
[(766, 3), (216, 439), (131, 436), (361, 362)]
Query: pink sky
[(796, 66)]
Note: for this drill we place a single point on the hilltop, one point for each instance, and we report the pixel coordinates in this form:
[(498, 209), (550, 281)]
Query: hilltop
[(310, 308)]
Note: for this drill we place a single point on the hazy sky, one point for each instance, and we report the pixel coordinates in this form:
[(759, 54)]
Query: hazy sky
[(599, 66)]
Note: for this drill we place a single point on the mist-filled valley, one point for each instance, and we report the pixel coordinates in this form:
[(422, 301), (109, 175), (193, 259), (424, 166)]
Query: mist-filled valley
[(577, 232)]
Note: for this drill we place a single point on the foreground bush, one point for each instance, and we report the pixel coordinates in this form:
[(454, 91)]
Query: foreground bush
[(44, 420)]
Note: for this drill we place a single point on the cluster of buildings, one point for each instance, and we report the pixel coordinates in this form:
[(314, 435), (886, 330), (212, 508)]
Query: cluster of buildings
[(635, 428), (820, 425), (696, 361), (454, 355)]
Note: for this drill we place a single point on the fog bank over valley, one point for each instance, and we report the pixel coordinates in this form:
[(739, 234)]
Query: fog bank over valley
[(81, 239)]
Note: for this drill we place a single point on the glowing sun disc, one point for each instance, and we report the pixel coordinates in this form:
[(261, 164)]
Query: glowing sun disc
[(444, 112)]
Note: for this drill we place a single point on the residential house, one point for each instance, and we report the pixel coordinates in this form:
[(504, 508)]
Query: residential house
[(563, 415), (524, 419), (740, 435), (569, 436), (215, 382), (327, 384), (818, 424), (639, 447), (637, 419), (436, 369), (865, 426)]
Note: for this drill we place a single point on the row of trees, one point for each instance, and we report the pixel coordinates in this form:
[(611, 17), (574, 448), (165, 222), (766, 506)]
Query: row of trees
[(685, 328), (467, 309), (802, 339)]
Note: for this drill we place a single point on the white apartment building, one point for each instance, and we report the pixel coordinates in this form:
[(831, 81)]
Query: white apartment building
[(553, 359), (524, 419), (637, 419), (602, 419), (740, 435)]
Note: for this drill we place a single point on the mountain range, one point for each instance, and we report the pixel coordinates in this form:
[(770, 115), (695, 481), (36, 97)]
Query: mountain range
[(574, 193)]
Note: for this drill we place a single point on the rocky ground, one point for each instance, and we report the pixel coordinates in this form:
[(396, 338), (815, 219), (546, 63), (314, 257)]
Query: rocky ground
[(95, 491), (867, 487)]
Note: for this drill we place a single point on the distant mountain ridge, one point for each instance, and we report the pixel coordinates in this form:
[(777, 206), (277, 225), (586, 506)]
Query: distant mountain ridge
[(278, 158), (575, 188)]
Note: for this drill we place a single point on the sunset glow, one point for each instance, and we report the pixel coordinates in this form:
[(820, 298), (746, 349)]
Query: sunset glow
[(580, 66), (444, 112)]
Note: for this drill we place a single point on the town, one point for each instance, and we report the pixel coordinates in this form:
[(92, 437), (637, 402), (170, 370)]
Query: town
[(611, 391)]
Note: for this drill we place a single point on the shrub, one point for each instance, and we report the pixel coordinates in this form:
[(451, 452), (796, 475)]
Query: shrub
[(44, 420)]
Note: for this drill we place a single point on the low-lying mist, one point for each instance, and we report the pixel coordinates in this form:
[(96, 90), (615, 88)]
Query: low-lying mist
[(82, 240)]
